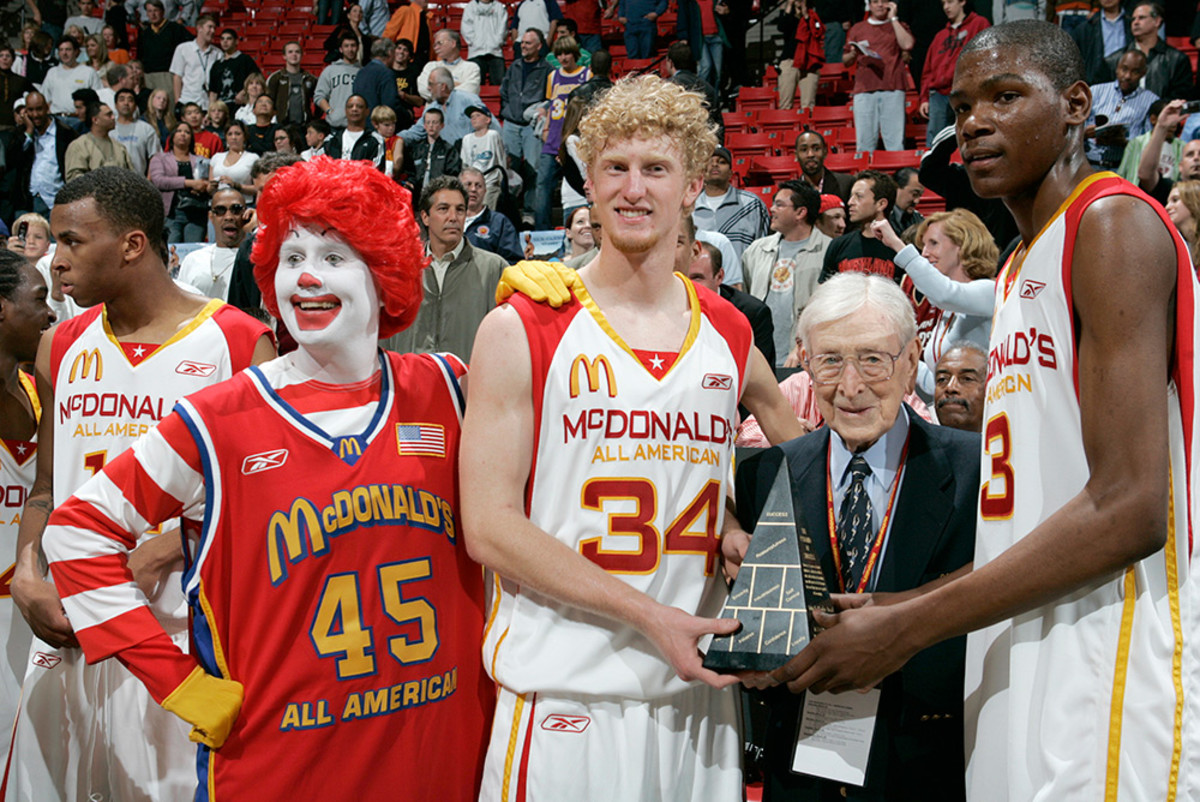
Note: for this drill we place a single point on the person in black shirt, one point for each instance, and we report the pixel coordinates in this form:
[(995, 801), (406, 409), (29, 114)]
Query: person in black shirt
[(260, 137), (871, 198), (228, 75)]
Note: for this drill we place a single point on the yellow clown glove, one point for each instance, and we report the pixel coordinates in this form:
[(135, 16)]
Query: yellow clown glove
[(210, 704), (544, 282)]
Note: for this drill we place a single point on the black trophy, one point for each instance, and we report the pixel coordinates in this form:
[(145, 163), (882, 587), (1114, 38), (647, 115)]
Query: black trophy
[(779, 583)]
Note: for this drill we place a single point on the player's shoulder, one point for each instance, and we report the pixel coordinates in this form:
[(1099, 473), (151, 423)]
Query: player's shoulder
[(722, 313), (410, 367), (70, 330), (1108, 209), (237, 324), (67, 333)]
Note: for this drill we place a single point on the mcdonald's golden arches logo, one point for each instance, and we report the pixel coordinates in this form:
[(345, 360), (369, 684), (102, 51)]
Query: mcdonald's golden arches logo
[(591, 369), (349, 447), (82, 364)]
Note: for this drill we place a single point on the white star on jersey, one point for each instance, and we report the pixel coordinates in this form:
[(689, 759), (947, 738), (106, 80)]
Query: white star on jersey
[(21, 450), (139, 351), (656, 362)]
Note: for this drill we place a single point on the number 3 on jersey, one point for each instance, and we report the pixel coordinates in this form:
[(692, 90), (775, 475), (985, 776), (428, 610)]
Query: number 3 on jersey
[(680, 539), (338, 629), (996, 497)]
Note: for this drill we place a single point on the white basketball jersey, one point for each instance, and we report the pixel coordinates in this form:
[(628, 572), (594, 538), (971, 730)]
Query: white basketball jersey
[(1093, 696), (92, 732), (630, 472), (18, 466)]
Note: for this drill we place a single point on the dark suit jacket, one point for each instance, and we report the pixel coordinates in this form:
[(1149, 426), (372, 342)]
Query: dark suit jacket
[(1090, 38), (1168, 74), (838, 184), (760, 320), (917, 752), (20, 161), (500, 237)]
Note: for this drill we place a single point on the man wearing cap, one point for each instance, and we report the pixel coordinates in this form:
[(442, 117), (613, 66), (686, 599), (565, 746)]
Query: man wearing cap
[(832, 220), (723, 207), (483, 149), (453, 102)]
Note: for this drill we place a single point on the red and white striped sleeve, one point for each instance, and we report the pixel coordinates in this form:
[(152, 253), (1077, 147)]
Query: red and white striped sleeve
[(88, 540)]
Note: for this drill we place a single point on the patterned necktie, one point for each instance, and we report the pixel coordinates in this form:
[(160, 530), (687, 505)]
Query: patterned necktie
[(854, 531)]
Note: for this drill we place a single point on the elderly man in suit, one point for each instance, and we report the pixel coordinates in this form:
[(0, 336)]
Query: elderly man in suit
[(889, 501)]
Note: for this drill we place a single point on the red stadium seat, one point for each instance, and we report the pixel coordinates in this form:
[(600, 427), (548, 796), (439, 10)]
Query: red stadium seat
[(931, 202), (847, 162), (289, 29), (777, 168), (785, 122), (750, 144), (891, 160), (765, 193), (756, 97), (823, 116), (736, 123)]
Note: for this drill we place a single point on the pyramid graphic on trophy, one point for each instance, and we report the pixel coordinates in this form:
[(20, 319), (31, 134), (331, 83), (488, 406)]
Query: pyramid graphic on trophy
[(779, 583)]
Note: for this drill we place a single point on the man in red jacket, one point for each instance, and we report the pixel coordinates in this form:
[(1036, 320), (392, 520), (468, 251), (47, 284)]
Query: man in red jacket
[(939, 64)]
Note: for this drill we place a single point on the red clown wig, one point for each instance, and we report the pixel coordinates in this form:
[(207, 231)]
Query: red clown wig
[(367, 209)]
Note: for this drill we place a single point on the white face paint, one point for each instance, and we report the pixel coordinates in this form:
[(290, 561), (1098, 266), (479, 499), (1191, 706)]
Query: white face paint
[(326, 295)]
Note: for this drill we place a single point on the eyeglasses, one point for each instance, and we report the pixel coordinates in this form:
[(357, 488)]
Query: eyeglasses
[(236, 208), (872, 366)]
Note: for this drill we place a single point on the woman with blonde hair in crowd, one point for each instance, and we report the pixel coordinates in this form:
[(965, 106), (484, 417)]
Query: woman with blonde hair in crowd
[(254, 87), (1183, 207), (97, 53), (160, 114), (954, 269)]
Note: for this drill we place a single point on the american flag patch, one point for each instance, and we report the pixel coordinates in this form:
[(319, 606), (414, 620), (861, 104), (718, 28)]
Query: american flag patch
[(420, 440)]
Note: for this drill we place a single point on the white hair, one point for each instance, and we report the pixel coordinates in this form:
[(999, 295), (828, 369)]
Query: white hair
[(847, 293)]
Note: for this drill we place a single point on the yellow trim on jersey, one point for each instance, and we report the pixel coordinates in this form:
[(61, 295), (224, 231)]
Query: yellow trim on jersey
[(26, 383), (218, 650), (1117, 710), (496, 651), (514, 734), (1013, 265), (31, 391), (589, 304), (491, 619), (1177, 631), (204, 314)]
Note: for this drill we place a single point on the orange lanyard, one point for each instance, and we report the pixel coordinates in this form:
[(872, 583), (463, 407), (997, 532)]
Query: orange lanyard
[(877, 547)]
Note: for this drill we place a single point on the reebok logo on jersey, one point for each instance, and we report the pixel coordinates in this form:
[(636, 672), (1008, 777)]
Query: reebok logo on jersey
[(562, 723), (189, 368), (717, 381), (264, 461), (1031, 288), (46, 660)]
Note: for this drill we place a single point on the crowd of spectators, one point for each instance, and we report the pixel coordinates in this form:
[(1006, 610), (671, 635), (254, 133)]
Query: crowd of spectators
[(493, 96)]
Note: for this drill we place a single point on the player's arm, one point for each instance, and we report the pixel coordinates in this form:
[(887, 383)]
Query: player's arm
[(762, 397), (34, 595), (264, 350), (89, 542), (1125, 338), (494, 466)]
